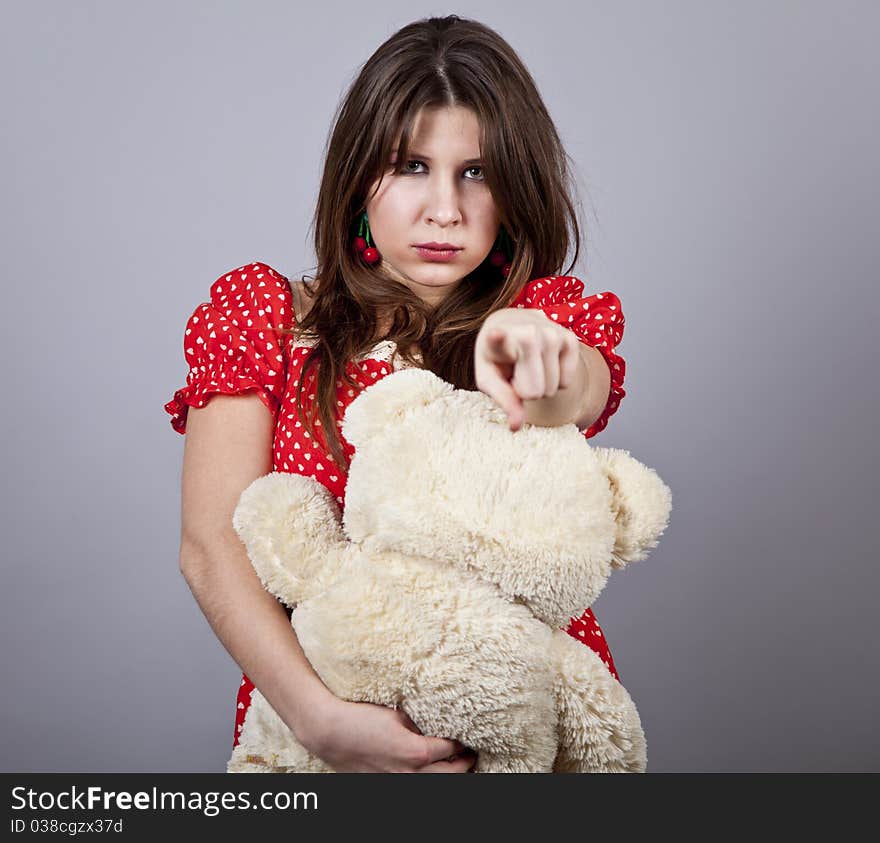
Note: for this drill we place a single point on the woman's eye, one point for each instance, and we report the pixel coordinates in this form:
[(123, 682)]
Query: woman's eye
[(479, 177)]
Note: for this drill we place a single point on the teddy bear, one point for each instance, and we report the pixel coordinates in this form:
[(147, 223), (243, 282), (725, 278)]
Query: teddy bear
[(464, 551)]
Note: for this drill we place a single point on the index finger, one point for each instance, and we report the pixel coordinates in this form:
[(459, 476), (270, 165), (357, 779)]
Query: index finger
[(504, 395)]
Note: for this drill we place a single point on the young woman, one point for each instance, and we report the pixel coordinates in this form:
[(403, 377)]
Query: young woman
[(442, 222)]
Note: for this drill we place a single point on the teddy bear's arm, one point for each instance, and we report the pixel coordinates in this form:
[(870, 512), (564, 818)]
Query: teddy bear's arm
[(291, 528)]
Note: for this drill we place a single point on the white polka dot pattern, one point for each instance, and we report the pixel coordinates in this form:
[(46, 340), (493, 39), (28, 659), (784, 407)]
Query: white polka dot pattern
[(231, 344)]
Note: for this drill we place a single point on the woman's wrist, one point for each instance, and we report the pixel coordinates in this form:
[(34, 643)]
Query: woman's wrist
[(311, 710)]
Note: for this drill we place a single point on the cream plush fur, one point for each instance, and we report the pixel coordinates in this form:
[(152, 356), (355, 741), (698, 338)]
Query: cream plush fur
[(463, 552)]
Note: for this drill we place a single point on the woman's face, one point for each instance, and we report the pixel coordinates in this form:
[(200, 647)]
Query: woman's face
[(442, 198)]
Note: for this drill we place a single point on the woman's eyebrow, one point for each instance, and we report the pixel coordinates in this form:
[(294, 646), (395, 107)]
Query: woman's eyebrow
[(414, 154)]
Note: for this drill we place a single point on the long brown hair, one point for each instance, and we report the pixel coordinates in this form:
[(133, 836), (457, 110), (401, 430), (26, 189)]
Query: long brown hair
[(448, 61)]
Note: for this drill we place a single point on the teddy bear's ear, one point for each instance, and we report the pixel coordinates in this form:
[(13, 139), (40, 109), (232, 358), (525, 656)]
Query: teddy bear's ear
[(386, 401), (641, 502)]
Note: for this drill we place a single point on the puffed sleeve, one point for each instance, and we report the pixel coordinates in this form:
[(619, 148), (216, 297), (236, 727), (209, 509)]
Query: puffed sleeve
[(232, 343), (597, 320)]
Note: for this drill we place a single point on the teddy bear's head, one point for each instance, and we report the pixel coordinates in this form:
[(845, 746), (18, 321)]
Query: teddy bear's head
[(438, 473)]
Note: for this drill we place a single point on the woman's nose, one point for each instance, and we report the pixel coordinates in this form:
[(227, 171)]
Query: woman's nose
[(443, 202)]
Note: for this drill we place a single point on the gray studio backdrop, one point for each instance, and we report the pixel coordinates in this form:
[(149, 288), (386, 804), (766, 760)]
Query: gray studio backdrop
[(728, 159)]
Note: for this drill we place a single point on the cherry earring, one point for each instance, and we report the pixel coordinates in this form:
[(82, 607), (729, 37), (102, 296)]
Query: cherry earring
[(502, 254), (369, 253)]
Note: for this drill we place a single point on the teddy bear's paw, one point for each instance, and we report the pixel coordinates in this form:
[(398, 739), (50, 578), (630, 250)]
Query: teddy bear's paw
[(641, 502), (292, 530), (599, 726)]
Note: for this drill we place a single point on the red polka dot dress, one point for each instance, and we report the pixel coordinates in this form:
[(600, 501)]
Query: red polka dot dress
[(233, 346)]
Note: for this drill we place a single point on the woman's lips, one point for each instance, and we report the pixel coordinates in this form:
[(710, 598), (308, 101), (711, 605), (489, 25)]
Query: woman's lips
[(437, 254)]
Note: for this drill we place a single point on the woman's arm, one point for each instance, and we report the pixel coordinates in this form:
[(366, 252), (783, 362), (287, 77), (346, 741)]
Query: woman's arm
[(228, 446)]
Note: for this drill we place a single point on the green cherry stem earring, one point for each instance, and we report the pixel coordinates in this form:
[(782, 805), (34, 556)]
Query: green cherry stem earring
[(365, 249)]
